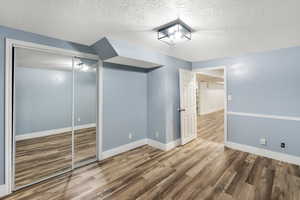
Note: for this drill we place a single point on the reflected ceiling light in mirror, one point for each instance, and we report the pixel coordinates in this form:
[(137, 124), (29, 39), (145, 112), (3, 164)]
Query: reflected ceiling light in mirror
[(85, 68), (174, 32), (82, 67)]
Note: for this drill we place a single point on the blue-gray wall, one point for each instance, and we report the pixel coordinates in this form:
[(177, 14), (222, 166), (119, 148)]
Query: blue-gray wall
[(263, 83), (37, 110), (157, 104), (85, 97), (163, 88), (29, 37), (124, 105)]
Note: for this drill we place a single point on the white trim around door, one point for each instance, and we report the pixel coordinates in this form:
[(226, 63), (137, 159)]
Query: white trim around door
[(198, 70), (9, 44)]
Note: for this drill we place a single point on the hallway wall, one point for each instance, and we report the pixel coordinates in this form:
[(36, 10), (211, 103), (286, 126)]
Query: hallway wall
[(210, 97)]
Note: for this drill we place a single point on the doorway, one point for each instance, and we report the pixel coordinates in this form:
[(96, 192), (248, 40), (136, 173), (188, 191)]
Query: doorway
[(203, 104), (52, 99), (210, 100)]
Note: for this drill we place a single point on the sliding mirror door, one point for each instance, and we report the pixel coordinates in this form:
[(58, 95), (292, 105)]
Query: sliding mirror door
[(85, 107), (43, 108)]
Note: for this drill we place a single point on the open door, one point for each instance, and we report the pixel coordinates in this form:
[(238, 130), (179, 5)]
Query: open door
[(188, 115)]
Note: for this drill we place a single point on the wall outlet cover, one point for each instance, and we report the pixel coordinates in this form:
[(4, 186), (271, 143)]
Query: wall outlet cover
[(263, 141)]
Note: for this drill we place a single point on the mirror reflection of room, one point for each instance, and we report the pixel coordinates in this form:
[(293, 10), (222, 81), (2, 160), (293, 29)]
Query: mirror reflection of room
[(43, 125)]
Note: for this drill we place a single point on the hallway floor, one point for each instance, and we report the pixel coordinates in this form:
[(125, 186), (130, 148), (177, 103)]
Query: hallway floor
[(211, 127)]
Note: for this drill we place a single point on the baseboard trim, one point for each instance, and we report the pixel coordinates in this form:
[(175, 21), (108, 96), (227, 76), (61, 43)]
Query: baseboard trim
[(123, 148), (172, 145), (264, 152), (3, 190), (163, 146), (51, 132), (133, 145)]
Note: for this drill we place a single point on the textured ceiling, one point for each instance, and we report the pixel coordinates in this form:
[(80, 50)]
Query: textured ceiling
[(222, 27)]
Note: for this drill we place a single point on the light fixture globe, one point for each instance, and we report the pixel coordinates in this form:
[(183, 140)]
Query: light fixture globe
[(174, 33)]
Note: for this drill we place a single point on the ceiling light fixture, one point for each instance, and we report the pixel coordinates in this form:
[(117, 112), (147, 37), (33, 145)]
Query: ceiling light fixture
[(174, 32)]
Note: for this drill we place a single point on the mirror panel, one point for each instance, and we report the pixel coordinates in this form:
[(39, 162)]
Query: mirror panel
[(85, 103), (43, 85)]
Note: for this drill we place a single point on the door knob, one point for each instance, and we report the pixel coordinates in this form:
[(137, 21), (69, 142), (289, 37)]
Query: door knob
[(181, 109)]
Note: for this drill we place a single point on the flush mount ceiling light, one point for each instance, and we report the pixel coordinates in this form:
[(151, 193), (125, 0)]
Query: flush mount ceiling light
[(174, 32)]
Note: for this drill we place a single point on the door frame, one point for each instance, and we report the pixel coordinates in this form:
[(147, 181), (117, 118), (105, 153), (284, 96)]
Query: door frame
[(225, 95), (8, 100)]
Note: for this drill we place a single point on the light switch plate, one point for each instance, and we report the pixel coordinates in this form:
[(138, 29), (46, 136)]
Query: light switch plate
[(263, 141), (229, 97)]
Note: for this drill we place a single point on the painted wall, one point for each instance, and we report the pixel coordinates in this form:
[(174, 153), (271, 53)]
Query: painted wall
[(210, 97), (124, 105), (29, 37), (36, 109), (85, 97), (263, 83), (157, 105), (163, 89)]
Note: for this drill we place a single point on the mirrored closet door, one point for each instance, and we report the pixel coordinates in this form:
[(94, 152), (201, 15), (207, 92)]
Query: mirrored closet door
[(85, 102), (54, 114)]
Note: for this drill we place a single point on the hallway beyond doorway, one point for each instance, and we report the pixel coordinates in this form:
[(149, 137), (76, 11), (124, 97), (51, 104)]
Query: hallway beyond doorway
[(211, 126)]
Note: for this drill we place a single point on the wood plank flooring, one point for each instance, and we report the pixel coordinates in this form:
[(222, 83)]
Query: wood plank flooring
[(201, 169), (211, 126), (41, 157)]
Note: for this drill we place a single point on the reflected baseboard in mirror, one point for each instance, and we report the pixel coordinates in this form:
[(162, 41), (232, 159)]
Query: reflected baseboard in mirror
[(41, 157)]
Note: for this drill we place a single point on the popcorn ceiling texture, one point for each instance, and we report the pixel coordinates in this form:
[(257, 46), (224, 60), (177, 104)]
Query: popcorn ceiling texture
[(222, 28)]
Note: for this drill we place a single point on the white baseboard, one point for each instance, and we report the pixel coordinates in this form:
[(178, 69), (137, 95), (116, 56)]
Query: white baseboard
[(51, 132), (133, 145), (123, 148), (264, 152), (162, 146), (3, 190)]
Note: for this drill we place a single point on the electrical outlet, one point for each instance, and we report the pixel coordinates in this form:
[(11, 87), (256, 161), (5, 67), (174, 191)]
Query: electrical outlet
[(263, 141), (157, 134), (130, 136)]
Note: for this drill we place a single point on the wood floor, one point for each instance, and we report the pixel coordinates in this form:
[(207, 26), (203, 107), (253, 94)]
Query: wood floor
[(201, 169), (41, 157), (211, 126)]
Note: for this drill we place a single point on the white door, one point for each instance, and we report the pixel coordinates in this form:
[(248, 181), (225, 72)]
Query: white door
[(188, 112)]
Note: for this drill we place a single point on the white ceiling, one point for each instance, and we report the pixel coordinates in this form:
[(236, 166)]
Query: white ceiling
[(223, 27)]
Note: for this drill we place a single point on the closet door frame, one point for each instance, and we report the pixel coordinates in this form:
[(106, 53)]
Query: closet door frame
[(9, 96)]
